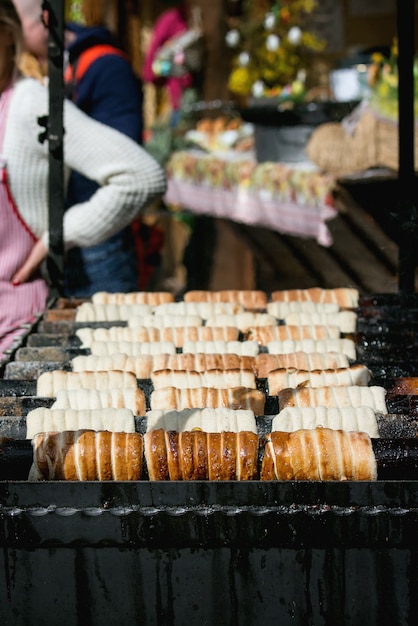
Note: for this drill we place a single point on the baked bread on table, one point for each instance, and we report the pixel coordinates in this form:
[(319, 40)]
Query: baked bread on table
[(87, 455), (266, 362), (208, 397), (198, 455), (345, 297), (319, 454), (44, 419), (48, 383), (352, 395), (347, 418), (344, 376)]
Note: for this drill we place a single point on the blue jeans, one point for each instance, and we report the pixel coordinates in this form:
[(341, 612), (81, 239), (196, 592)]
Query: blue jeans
[(109, 266)]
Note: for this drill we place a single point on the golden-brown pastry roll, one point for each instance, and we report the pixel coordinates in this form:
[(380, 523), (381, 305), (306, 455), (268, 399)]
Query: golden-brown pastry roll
[(318, 454), (345, 297), (199, 455), (87, 455), (280, 379)]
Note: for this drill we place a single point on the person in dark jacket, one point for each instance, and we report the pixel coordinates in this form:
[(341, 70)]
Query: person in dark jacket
[(100, 80)]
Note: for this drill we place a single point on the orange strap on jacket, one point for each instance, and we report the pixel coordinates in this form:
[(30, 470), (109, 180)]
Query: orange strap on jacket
[(76, 71)]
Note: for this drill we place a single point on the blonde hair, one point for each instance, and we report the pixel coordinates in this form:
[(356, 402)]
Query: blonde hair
[(10, 18)]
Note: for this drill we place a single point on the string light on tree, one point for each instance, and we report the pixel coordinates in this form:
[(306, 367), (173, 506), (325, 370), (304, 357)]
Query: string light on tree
[(273, 45), (295, 35), (269, 21), (243, 59), (233, 38)]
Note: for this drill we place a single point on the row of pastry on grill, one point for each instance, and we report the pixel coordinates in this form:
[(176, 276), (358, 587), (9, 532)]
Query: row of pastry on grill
[(218, 419), (146, 365), (215, 315), (197, 455), (180, 334), (104, 389), (241, 348), (344, 297)]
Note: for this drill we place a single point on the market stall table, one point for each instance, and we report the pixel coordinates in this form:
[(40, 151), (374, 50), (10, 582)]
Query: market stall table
[(294, 199)]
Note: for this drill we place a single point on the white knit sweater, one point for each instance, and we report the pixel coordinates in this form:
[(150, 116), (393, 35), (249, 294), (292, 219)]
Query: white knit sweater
[(130, 179)]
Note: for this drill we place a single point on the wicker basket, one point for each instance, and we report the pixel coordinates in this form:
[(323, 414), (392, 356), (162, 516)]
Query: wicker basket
[(373, 143)]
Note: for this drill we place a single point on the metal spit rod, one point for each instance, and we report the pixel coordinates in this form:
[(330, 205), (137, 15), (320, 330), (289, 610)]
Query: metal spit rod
[(407, 210)]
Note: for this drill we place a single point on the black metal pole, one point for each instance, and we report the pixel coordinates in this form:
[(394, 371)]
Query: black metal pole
[(408, 241), (55, 135)]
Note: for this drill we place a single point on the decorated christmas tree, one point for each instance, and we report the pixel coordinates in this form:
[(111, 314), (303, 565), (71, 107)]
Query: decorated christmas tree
[(273, 47)]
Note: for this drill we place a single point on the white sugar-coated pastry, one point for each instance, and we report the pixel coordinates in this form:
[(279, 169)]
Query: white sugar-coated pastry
[(132, 348), (152, 298), (42, 419), (251, 299), (280, 379), (345, 320), (49, 383), (117, 333), (220, 379), (89, 312), (181, 379), (355, 395), (164, 321), (201, 361), (229, 378), (208, 397), (343, 345), (348, 418), (203, 309), (198, 333), (345, 297), (141, 366), (210, 420), (243, 321), (78, 399), (266, 362), (281, 309), (264, 334), (244, 348)]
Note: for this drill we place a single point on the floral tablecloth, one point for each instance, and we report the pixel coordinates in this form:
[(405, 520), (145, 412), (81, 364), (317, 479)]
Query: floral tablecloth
[(296, 199)]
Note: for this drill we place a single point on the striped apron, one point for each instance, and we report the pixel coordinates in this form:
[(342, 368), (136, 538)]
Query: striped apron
[(21, 303)]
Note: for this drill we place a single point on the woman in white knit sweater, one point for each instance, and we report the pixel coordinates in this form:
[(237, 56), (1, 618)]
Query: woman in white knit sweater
[(130, 180)]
